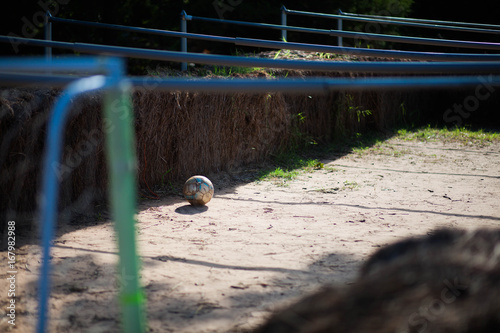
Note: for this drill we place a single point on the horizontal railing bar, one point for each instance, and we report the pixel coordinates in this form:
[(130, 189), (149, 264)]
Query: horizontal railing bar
[(23, 79), (244, 85), (373, 67), (394, 22), (342, 50), (34, 64), (306, 47), (315, 85), (410, 19), (416, 40)]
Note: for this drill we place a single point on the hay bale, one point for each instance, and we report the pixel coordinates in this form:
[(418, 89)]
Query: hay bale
[(446, 282), (187, 134)]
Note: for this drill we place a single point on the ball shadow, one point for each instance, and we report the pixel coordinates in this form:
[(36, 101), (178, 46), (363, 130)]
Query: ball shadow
[(191, 210)]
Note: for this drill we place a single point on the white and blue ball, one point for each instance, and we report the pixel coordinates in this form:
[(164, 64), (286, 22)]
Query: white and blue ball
[(198, 190)]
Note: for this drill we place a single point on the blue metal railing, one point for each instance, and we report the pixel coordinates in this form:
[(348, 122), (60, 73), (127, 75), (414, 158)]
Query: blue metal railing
[(471, 75), (336, 66), (265, 44), (460, 26), (312, 47)]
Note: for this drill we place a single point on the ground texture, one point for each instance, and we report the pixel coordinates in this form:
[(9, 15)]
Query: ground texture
[(260, 245)]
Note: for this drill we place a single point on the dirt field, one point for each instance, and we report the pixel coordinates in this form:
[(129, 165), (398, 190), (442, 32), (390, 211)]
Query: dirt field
[(260, 245)]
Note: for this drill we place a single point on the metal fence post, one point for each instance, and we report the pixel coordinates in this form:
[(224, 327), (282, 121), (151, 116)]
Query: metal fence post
[(48, 35), (283, 23), (183, 39), (339, 27)]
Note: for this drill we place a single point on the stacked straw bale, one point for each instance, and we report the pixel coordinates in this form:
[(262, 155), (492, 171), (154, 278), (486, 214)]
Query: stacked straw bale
[(182, 134)]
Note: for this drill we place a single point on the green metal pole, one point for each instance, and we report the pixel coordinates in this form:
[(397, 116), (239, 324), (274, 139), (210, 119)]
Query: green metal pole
[(122, 168)]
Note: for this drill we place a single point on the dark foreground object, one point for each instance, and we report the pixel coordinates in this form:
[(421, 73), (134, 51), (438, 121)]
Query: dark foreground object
[(446, 282)]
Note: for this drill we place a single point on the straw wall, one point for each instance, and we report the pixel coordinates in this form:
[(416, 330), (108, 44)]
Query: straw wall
[(178, 135)]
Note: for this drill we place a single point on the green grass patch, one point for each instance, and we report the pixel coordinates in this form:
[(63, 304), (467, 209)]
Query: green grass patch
[(288, 166), (279, 173), (461, 135), (230, 70)]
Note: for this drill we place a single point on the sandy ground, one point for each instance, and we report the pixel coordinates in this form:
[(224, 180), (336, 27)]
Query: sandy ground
[(260, 245)]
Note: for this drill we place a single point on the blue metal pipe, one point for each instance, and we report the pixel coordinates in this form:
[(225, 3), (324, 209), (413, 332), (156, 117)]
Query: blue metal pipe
[(314, 85), (309, 85), (23, 79), (37, 65), (414, 55), (122, 174), (338, 66), (48, 199), (184, 39), (365, 36), (50, 185), (409, 19), (48, 34), (283, 23)]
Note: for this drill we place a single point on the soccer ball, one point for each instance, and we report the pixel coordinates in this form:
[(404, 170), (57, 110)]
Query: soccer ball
[(198, 190)]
